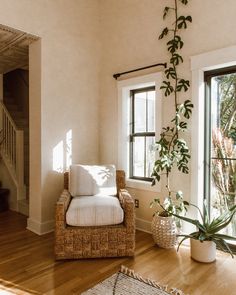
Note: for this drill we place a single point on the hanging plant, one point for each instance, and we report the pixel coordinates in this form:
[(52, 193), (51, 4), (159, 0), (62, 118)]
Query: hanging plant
[(172, 148)]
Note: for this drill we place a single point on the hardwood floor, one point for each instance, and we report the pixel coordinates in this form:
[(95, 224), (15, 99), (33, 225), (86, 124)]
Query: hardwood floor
[(27, 265)]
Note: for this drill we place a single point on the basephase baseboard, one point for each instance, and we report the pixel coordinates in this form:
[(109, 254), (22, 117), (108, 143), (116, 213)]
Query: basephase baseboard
[(40, 228), (143, 225)]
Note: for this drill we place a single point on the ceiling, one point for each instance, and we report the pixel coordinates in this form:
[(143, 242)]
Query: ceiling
[(14, 49)]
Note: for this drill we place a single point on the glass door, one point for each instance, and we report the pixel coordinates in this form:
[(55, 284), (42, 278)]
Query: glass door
[(220, 142)]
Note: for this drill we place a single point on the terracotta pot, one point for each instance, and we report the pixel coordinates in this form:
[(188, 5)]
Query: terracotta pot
[(164, 231), (203, 251)]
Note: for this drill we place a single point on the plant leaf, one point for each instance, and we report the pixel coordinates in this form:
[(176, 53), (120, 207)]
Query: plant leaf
[(165, 12), (183, 85), (163, 33), (182, 21), (185, 2), (176, 59), (167, 87), (170, 72)]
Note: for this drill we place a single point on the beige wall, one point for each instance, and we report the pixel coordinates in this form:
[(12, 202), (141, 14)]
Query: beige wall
[(77, 88), (130, 30), (70, 56)]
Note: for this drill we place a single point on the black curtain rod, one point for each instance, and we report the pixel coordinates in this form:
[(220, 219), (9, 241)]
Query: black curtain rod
[(139, 69)]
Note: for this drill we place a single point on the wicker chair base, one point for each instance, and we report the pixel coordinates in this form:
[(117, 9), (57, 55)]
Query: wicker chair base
[(84, 242)]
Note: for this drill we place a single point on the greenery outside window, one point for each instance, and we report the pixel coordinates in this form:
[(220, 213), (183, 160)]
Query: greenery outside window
[(142, 133), (220, 142)]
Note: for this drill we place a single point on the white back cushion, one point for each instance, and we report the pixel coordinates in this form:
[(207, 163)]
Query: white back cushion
[(89, 180)]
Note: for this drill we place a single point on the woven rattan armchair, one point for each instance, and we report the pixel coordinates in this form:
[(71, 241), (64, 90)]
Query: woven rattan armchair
[(95, 241)]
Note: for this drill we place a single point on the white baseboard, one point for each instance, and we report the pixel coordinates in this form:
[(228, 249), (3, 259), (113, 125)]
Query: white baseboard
[(143, 225), (47, 227), (40, 228)]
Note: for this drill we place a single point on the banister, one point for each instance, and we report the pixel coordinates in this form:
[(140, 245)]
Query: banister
[(8, 116), (12, 146)]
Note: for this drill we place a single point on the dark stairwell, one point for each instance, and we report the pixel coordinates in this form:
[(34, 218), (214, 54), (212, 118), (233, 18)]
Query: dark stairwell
[(16, 100)]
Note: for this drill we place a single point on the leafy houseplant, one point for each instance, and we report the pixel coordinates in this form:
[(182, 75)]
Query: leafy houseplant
[(171, 148), (208, 230)]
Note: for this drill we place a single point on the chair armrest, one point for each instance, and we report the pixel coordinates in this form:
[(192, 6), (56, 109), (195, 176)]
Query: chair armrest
[(61, 208), (127, 204)]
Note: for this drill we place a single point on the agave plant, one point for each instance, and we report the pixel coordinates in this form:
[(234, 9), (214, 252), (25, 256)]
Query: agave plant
[(207, 229)]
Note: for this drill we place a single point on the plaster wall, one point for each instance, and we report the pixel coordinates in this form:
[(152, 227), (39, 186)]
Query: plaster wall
[(69, 91), (130, 30)]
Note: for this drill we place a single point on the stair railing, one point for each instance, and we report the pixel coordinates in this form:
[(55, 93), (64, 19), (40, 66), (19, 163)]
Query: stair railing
[(12, 149)]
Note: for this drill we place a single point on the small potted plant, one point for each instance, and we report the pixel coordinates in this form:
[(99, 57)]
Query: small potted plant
[(207, 236), (164, 227)]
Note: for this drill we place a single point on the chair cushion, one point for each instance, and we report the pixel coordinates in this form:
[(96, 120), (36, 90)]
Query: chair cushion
[(88, 180), (94, 211)]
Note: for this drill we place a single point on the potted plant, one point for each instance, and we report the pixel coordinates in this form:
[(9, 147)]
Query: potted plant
[(164, 227), (207, 236), (172, 149)]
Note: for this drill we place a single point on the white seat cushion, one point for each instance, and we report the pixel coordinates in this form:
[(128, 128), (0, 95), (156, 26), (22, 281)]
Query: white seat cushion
[(94, 211), (89, 180)]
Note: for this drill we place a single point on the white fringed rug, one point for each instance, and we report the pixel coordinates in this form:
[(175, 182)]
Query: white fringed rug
[(126, 282)]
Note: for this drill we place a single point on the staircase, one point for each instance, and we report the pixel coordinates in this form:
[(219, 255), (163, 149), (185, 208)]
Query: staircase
[(15, 148)]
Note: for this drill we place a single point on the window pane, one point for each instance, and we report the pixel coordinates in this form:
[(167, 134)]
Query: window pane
[(150, 155), (223, 146), (138, 156), (151, 111), (140, 112)]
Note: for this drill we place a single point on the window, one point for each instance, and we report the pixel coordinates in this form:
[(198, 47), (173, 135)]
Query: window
[(139, 113), (220, 142), (142, 133)]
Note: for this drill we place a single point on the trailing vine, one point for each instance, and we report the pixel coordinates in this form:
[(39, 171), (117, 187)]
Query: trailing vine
[(172, 149)]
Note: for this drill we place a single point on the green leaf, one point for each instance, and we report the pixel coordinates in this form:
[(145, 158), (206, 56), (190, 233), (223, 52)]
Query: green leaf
[(183, 168), (163, 33), (179, 195), (182, 21), (186, 108), (165, 12), (225, 237), (185, 238), (185, 2), (176, 59), (175, 44), (167, 87), (170, 72), (183, 125), (193, 221), (224, 223), (183, 85)]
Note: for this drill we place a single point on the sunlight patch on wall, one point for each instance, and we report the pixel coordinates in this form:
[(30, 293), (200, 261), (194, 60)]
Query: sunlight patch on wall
[(58, 157), (68, 149), (62, 154)]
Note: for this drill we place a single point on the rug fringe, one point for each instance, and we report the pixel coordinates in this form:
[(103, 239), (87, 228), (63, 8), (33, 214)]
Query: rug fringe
[(130, 272)]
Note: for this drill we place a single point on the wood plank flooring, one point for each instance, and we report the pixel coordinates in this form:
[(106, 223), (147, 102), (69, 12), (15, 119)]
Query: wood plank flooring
[(27, 265)]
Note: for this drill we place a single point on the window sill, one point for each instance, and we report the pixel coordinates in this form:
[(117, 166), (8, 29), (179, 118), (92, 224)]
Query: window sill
[(142, 185)]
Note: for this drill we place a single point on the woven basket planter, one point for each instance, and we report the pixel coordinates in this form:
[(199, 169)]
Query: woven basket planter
[(164, 231)]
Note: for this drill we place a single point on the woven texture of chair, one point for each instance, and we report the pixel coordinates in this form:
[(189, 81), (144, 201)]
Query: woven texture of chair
[(73, 242)]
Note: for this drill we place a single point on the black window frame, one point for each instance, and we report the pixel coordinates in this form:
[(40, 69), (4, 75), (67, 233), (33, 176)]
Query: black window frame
[(134, 134), (208, 75)]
